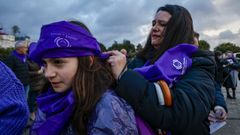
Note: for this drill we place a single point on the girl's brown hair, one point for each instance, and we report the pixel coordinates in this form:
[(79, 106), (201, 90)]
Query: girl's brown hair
[(92, 79), (89, 84)]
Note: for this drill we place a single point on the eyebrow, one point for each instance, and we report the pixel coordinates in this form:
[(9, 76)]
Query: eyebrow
[(162, 21)]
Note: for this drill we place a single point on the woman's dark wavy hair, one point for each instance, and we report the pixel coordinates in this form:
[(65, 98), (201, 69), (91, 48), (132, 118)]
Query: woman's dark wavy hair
[(179, 30), (92, 79)]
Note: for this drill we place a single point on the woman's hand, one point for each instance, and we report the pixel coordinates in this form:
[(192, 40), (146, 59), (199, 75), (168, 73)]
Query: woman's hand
[(117, 61), (219, 114)]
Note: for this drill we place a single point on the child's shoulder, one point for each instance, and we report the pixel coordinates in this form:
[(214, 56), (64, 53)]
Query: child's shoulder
[(110, 100), (109, 96), (112, 115)]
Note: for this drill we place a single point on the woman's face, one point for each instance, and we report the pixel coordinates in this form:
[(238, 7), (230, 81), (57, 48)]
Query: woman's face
[(158, 28), (60, 72)]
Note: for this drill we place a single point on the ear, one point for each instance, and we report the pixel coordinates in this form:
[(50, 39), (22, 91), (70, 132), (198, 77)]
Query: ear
[(195, 41), (91, 58)]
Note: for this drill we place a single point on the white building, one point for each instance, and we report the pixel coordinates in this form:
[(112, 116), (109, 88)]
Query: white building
[(7, 41)]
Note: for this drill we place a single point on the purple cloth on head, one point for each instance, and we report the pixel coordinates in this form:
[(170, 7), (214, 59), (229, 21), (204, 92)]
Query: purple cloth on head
[(64, 39), (32, 46), (58, 108), (171, 65)]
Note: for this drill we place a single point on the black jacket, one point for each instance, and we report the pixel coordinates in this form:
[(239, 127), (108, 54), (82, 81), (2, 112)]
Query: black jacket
[(19, 68), (37, 80), (193, 97)]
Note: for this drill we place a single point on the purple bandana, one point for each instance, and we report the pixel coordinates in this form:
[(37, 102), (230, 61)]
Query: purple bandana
[(64, 39), (21, 57), (58, 108), (170, 66), (32, 46)]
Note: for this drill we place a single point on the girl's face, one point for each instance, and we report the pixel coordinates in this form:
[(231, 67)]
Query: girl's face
[(158, 27), (60, 72)]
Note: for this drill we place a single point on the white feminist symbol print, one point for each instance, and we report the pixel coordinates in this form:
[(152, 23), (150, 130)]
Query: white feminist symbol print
[(61, 42), (177, 64)]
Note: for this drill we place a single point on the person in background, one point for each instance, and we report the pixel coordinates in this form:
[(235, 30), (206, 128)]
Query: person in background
[(80, 99), (196, 38), (36, 82), (1, 57), (220, 110), (17, 62), (191, 99), (14, 111), (231, 76)]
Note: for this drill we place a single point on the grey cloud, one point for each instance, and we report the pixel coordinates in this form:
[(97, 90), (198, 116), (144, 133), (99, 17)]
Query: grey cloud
[(31, 15), (203, 13), (121, 20), (200, 8), (228, 35), (231, 6), (222, 13), (111, 20), (225, 36)]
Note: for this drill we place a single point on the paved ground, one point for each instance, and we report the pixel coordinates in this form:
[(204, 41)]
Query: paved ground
[(233, 121)]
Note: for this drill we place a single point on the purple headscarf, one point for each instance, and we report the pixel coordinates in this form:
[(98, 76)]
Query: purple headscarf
[(64, 39), (32, 46)]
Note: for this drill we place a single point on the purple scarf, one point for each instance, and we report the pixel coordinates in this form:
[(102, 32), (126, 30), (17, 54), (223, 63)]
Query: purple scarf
[(58, 108), (21, 57), (170, 66)]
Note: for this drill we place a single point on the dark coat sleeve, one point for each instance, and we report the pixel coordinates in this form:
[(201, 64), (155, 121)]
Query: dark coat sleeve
[(136, 62), (192, 99)]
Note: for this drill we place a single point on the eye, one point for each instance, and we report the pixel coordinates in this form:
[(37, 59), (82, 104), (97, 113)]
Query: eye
[(44, 64), (58, 61), (162, 23), (153, 22)]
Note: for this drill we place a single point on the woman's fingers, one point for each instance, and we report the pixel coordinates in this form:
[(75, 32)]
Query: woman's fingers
[(124, 51), (117, 61)]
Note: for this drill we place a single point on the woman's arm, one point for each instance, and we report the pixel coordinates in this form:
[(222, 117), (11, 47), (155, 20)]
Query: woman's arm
[(191, 99)]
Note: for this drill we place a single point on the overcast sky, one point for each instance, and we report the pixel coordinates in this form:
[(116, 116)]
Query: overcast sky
[(217, 21)]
